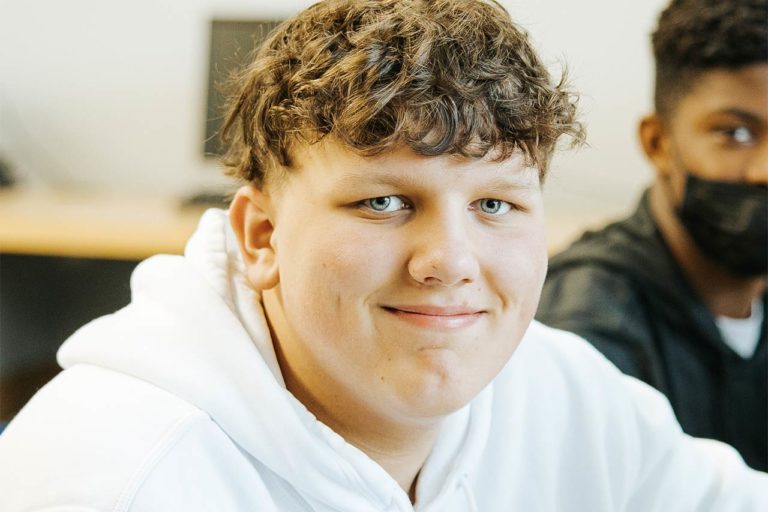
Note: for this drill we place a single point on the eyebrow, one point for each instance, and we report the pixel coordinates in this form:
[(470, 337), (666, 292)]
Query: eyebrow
[(745, 115), (365, 176)]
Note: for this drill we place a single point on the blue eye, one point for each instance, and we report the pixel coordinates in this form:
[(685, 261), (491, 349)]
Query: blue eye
[(742, 135), (385, 204), (494, 206), (738, 134)]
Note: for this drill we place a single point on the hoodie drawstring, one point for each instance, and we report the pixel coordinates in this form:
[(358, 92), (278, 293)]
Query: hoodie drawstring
[(468, 493)]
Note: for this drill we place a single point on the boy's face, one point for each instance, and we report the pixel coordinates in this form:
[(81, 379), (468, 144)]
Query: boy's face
[(404, 282), (719, 130)]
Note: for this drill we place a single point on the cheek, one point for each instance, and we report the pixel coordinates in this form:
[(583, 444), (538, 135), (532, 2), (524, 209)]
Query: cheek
[(516, 269), (327, 273), (724, 165), (519, 267), (706, 155), (677, 186), (351, 262)]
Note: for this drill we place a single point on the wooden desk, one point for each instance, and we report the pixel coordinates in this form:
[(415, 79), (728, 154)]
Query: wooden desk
[(92, 224)]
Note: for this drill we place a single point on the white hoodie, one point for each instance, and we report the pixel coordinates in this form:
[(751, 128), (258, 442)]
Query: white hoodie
[(176, 403)]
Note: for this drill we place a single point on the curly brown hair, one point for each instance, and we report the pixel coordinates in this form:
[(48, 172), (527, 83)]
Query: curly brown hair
[(694, 36), (441, 76)]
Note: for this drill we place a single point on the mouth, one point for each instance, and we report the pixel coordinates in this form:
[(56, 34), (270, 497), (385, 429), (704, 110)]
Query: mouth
[(443, 318)]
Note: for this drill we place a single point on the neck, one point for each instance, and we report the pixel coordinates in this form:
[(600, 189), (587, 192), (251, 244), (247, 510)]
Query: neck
[(723, 293), (400, 450)]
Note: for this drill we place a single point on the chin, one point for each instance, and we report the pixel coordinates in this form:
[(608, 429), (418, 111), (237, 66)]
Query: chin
[(442, 385)]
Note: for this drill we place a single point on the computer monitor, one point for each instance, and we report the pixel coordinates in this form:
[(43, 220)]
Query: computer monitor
[(232, 43)]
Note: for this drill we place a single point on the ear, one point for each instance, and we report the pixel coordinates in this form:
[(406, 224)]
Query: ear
[(655, 142), (250, 215)]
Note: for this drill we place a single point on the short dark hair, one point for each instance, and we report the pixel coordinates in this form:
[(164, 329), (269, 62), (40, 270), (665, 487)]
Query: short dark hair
[(440, 76), (694, 36)]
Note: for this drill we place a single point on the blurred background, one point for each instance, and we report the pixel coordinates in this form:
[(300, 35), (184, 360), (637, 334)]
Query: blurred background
[(105, 109)]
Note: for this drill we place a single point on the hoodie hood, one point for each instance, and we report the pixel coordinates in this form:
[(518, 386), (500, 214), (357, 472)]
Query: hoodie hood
[(196, 329)]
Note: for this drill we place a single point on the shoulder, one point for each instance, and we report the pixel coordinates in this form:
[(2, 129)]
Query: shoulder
[(611, 272), (603, 266), (608, 307), (560, 367), (584, 285), (95, 438), (563, 355), (560, 403), (589, 297), (561, 364), (600, 439)]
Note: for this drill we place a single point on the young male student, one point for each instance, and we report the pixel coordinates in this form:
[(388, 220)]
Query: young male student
[(676, 293), (356, 333)]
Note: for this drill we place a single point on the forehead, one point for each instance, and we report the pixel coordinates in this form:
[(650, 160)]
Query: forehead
[(336, 165), (722, 90)]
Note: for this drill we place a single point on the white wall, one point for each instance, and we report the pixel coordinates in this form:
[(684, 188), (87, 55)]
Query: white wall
[(111, 94), (606, 45)]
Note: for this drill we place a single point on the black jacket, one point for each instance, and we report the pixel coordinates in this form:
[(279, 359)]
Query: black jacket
[(621, 289)]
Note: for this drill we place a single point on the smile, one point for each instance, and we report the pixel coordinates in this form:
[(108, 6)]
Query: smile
[(436, 317)]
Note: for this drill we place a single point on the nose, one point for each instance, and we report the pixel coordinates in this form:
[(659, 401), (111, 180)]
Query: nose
[(443, 255)]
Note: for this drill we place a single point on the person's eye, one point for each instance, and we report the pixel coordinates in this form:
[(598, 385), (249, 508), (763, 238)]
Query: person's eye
[(742, 135), (738, 134), (494, 206), (385, 204)]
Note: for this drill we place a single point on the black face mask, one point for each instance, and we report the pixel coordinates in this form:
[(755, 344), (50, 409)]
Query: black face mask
[(729, 223)]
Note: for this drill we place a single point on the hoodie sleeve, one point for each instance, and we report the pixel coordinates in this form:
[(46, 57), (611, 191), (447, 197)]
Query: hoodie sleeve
[(680, 472), (626, 439)]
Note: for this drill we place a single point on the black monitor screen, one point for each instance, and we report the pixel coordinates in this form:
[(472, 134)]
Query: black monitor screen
[(232, 43)]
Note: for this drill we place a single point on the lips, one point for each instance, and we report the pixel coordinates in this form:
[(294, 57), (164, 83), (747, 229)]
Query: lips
[(436, 317)]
